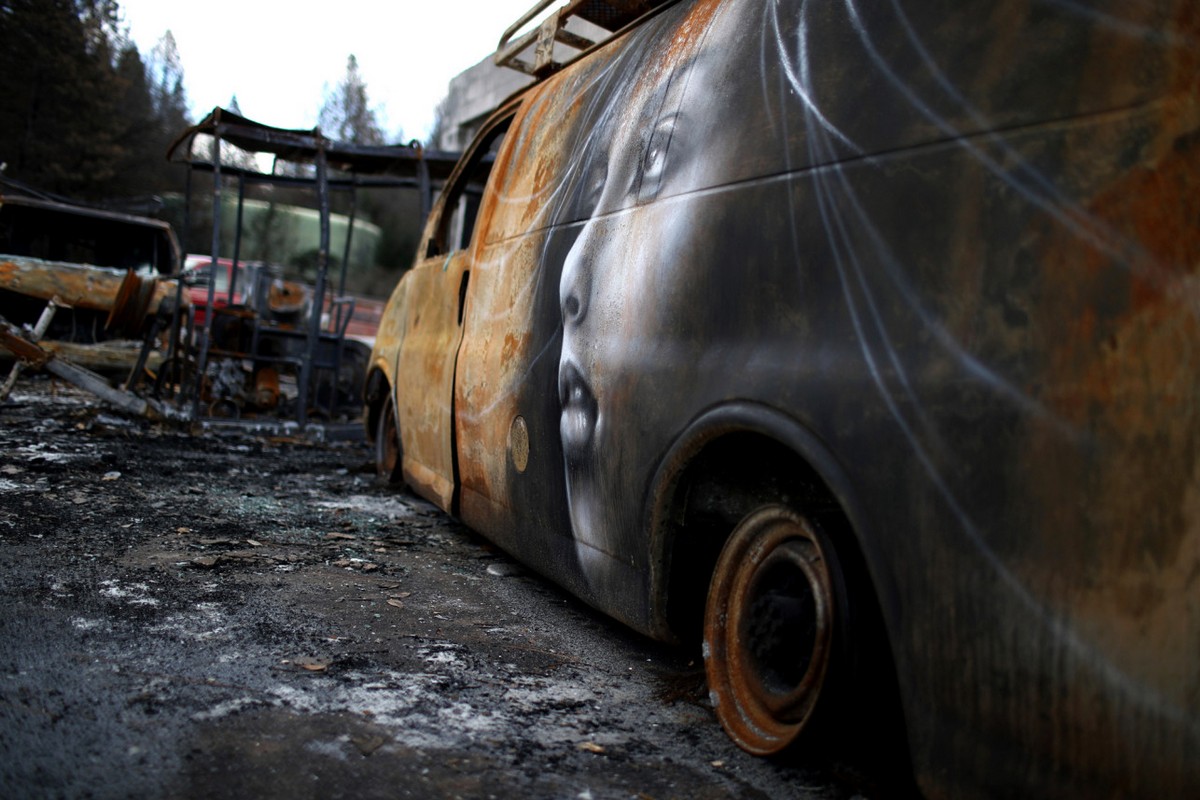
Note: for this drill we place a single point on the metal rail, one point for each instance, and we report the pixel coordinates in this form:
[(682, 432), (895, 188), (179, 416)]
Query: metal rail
[(611, 16)]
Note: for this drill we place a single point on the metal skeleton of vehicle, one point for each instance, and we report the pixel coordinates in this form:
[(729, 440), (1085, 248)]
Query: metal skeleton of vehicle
[(285, 332), (285, 353), (85, 290)]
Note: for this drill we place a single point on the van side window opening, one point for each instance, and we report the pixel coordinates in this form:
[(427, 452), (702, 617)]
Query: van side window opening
[(457, 223)]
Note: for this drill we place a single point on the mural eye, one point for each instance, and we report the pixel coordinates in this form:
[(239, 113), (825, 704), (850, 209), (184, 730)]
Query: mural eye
[(593, 186), (654, 164)]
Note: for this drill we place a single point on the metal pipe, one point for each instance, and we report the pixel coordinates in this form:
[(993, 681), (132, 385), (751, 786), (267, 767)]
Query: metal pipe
[(425, 190), (39, 330), (237, 239), (314, 327), (349, 236), (205, 335), (177, 323)]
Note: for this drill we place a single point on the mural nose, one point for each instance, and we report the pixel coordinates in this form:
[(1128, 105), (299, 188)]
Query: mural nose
[(573, 288)]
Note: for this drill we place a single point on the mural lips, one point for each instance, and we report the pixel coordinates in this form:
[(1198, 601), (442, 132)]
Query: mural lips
[(579, 413)]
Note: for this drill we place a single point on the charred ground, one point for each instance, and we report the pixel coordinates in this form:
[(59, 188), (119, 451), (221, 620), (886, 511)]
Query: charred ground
[(236, 615)]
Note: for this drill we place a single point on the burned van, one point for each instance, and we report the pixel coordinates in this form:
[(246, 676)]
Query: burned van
[(859, 344)]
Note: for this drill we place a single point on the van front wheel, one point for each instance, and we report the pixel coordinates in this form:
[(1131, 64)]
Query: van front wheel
[(771, 628), (388, 455)]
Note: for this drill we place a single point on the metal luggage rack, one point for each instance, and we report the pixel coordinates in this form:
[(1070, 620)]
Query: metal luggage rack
[(607, 18)]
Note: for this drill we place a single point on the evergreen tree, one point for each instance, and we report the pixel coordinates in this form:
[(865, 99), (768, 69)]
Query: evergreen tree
[(54, 68), (80, 113), (136, 137), (346, 115), (167, 96)]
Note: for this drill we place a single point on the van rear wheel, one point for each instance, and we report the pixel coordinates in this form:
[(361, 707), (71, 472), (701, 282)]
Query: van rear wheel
[(388, 455), (771, 626)]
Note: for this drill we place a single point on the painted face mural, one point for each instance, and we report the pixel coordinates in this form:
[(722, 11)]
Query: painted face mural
[(901, 284), (621, 283), (665, 279)]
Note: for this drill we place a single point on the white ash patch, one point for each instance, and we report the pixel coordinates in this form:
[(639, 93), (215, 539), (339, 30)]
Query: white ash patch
[(386, 507), (40, 451), (136, 594), (226, 708), (83, 624), (412, 707)]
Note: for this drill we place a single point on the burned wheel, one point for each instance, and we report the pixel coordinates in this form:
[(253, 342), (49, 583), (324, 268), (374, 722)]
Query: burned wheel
[(388, 454), (770, 628)]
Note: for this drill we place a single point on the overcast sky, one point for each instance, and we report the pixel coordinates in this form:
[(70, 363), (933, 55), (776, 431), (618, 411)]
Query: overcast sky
[(279, 57)]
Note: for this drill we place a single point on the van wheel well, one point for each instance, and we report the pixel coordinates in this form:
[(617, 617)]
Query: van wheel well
[(728, 479), (739, 476)]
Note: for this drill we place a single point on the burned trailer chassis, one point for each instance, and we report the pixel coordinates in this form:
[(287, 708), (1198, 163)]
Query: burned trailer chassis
[(277, 363), (155, 311), (137, 308), (241, 357)]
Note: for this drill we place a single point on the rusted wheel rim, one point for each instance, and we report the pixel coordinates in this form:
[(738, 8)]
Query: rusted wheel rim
[(768, 629)]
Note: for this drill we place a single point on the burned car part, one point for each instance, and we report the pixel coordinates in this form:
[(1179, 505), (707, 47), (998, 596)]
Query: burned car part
[(283, 347), (923, 275)]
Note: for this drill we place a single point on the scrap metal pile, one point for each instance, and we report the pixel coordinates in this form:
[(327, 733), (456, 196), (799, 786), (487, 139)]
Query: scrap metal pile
[(87, 294)]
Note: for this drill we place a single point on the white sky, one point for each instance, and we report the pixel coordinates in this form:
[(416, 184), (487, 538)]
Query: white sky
[(280, 57)]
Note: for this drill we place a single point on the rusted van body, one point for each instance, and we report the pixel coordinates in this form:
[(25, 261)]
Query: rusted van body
[(877, 322)]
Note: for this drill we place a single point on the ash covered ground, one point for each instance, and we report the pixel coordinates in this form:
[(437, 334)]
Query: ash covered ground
[(240, 616)]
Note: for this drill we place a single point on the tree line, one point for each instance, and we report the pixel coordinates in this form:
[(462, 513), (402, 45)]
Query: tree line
[(86, 116), (82, 112)]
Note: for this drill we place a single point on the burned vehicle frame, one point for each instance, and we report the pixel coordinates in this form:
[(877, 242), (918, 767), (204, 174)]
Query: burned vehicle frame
[(854, 342), (286, 354), (236, 361), (86, 293), (79, 256)]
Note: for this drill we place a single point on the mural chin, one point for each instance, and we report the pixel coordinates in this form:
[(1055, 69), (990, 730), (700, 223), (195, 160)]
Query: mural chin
[(589, 519), (587, 525)]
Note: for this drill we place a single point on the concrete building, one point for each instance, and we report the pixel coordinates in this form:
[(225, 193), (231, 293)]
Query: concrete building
[(471, 96)]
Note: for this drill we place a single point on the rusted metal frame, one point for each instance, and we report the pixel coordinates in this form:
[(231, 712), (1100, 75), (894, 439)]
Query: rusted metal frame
[(237, 238), (306, 147), (33, 355), (424, 189), (361, 181), (177, 323), (135, 374), (301, 146), (206, 332), (542, 39), (504, 46), (349, 235), (39, 330), (341, 316), (552, 30), (291, 144), (314, 326), (339, 321)]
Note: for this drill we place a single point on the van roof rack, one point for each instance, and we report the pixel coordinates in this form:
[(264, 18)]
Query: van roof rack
[(611, 16)]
